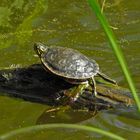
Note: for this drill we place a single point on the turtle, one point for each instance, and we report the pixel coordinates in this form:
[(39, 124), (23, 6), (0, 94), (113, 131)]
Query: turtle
[(70, 64)]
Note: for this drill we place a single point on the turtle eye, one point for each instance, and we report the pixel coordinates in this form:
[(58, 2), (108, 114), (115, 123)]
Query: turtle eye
[(41, 48)]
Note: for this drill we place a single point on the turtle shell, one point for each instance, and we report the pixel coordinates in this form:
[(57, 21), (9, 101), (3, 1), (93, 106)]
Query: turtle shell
[(69, 63)]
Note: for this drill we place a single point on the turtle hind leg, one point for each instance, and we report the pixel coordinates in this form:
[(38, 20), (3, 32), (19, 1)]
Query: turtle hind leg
[(93, 85), (105, 77)]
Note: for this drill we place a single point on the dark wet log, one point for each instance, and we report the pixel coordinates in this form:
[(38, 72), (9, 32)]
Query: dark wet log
[(36, 85)]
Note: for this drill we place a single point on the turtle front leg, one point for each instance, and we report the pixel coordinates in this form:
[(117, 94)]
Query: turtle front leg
[(70, 96), (105, 77)]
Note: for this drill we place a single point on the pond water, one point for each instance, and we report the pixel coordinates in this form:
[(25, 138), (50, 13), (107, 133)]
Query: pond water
[(68, 24)]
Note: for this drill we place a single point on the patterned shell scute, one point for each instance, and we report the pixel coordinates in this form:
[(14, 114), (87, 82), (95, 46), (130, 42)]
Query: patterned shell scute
[(69, 63)]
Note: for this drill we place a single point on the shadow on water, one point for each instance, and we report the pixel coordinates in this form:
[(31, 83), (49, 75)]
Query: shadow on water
[(32, 84)]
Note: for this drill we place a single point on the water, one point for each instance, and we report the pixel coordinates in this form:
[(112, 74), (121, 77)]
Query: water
[(69, 24)]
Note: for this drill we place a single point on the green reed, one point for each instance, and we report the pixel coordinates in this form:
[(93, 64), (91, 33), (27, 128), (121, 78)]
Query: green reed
[(35, 128), (116, 48)]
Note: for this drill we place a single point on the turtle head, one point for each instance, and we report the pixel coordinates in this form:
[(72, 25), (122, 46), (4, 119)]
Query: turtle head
[(40, 48)]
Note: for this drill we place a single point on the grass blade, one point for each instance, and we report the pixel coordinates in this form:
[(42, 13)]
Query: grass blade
[(116, 48), (59, 125)]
